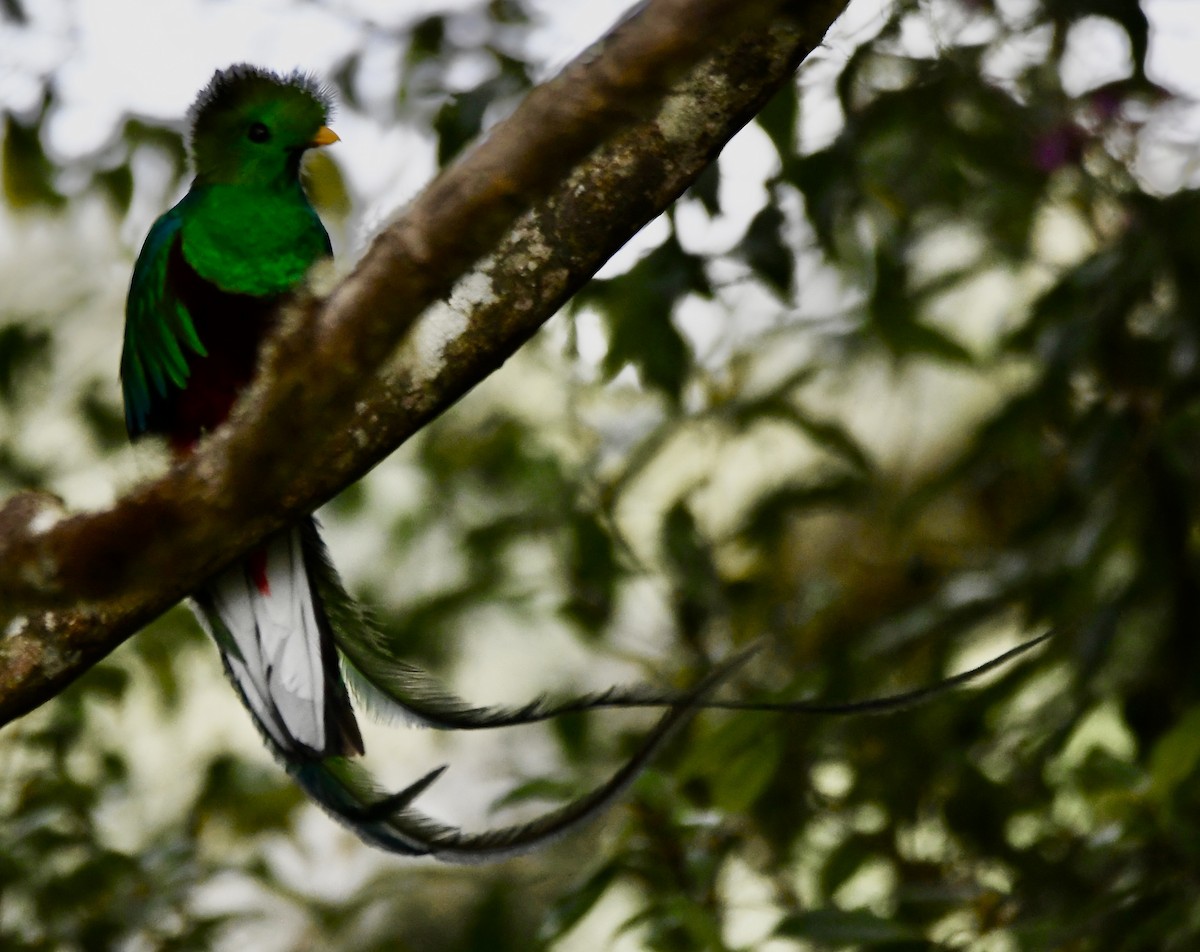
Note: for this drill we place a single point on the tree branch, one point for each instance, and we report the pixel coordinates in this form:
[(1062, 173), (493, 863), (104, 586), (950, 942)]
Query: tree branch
[(586, 160)]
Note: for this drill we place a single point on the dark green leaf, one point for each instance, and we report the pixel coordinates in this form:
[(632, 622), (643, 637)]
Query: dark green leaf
[(832, 928), (567, 912), (22, 351), (764, 249)]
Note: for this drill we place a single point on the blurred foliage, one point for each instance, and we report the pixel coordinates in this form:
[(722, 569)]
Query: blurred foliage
[(989, 428)]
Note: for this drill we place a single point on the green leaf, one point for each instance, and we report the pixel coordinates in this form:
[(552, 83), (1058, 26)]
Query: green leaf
[(845, 860), (592, 572), (540, 789), (1176, 756), (707, 188), (764, 250), (778, 119), (737, 757), (427, 39), (637, 307), (26, 172), (696, 582), (913, 337), (250, 798), (832, 928), (22, 350), (745, 776), (768, 518), (117, 183), (567, 911), (460, 120)]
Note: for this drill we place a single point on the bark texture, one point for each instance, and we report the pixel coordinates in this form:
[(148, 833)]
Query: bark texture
[(535, 209)]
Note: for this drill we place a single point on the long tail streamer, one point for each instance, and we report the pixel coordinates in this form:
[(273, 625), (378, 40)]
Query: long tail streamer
[(395, 689)]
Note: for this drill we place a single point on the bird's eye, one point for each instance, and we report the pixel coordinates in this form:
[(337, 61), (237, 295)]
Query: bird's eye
[(258, 133)]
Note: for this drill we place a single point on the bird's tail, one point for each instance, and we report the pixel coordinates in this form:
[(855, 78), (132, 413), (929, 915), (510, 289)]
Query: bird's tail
[(393, 689), (348, 793), (270, 616), (275, 639), (293, 688)]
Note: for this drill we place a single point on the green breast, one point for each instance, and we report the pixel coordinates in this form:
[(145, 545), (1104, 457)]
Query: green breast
[(251, 241)]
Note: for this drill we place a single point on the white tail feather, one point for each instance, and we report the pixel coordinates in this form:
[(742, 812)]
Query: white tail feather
[(274, 627)]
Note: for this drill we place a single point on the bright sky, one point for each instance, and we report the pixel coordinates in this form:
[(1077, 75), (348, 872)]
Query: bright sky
[(148, 58)]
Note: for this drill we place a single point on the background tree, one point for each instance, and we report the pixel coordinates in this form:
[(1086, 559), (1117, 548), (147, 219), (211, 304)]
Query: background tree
[(895, 388)]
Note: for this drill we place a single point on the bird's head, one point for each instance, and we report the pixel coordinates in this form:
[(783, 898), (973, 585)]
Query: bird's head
[(250, 126)]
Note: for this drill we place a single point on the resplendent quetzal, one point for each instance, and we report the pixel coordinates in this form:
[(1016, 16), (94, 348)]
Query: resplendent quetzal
[(205, 290)]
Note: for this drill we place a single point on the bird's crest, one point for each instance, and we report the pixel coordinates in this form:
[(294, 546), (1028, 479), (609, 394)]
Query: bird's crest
[(240, 83)]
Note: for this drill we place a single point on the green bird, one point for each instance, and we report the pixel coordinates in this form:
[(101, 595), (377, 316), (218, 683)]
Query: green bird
[(206, 288)]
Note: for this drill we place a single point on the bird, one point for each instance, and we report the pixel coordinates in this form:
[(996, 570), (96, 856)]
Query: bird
[(207, 286), (205, 290)]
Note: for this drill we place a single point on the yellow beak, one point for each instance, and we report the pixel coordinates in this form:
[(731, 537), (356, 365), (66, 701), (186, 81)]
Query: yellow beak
[(324, 136)]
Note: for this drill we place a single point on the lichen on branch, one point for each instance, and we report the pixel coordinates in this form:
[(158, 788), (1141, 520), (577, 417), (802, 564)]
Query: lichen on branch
[(552, 191)]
